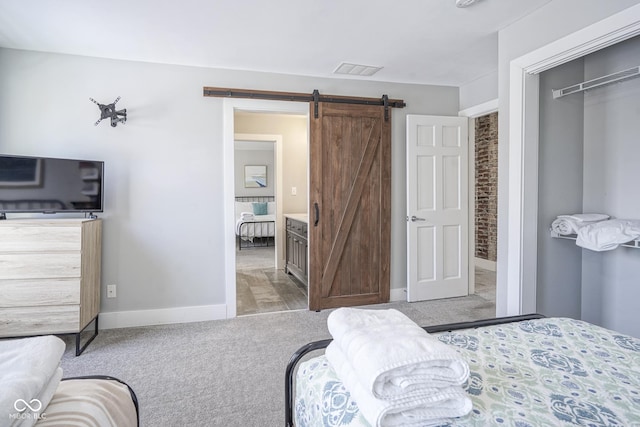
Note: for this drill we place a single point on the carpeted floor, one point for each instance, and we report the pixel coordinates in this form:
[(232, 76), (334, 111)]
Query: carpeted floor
[(227, 372)]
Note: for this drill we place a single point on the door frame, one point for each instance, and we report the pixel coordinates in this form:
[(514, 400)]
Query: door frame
[(277, 141), (516, 287), (229, 107), (472, 113)]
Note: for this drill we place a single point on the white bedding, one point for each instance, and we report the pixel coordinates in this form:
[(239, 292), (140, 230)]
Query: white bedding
[(29, 372), (258, 226)]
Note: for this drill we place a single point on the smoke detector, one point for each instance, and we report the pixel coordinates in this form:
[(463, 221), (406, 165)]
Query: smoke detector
[(465, 3)]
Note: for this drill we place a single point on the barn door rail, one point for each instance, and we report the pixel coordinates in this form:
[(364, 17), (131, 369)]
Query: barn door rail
[(314, 97)]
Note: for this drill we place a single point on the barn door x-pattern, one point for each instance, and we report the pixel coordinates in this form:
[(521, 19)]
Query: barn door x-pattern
[(350, 206)]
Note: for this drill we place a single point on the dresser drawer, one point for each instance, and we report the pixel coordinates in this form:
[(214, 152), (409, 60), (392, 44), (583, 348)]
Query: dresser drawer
[(39, 265), (41, 239), (24, 293), (24, 321)]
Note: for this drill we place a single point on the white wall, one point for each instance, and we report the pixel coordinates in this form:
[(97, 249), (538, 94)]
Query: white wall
[(479, 91), (558, 18), (163, 227)]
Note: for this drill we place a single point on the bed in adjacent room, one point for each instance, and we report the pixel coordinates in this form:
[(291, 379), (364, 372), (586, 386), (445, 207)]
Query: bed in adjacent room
[(255, 221), (524, 371)]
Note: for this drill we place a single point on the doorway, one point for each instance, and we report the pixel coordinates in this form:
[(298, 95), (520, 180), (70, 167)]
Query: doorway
[(258, 121)]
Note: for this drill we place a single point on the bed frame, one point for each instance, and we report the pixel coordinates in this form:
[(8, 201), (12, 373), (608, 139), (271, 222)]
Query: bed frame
[(258, 226), (134, 398), (318, 345)]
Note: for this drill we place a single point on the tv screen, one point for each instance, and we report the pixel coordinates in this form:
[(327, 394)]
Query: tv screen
[(49, 185)]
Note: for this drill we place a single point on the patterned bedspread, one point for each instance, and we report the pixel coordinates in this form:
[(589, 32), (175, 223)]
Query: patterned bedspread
[(544, 372)]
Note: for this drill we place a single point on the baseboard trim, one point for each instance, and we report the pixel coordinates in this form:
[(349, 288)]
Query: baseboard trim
[(486, 264), (398, 294), (163, 316)]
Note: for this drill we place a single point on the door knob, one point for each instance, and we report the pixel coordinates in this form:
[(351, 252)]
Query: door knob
[(415, 218)]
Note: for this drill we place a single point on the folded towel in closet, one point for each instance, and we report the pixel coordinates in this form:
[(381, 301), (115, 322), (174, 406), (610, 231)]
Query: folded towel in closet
[(608, 235), (425, 408), (588, 217), (570, 224), (391, 355)]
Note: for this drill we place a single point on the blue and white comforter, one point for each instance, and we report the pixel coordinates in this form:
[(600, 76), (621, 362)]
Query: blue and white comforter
[(543, 372)]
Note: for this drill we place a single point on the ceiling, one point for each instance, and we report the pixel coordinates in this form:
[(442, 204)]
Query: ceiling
[(416, 41)]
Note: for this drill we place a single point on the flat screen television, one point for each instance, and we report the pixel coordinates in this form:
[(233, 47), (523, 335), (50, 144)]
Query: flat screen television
[(50, 185)]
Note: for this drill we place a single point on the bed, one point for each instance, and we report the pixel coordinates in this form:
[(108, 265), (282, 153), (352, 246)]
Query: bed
[(92, 400), (525, 371), (33, 392), (255, 221)]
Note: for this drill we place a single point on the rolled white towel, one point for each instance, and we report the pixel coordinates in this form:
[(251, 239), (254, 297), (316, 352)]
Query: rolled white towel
[(570, 224), (608, 235), (429, 407), (393, 356)]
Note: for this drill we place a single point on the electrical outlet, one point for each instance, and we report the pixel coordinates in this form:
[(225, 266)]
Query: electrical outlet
[(111, 291)]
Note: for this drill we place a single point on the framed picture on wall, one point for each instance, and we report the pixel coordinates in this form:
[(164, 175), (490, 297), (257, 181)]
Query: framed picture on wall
[(255, 176)]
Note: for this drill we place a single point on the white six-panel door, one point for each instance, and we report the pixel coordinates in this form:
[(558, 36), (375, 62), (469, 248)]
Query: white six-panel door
[(437, 207)]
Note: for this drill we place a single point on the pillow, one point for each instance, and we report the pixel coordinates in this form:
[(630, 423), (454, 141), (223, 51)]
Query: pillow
[(260, 208), (271, 208)]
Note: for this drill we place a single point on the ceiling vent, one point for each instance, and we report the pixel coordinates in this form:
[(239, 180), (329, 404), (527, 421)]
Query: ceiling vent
[(356, 69)]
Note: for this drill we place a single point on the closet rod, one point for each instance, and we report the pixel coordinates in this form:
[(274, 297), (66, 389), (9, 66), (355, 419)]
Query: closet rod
[(600, 81)]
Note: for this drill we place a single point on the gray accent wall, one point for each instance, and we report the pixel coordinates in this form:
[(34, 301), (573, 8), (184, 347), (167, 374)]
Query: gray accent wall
[(611, 280), (589, 159), (560, 175), (245, 157)]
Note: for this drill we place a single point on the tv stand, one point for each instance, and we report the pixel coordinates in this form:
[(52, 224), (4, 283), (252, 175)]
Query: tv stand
[(50, 277)]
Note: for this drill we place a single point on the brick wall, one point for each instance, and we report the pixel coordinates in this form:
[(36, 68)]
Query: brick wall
[(486, 186)]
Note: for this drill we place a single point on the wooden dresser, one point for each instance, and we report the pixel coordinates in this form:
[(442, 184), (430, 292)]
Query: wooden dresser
[(296, 262), (49, 276)]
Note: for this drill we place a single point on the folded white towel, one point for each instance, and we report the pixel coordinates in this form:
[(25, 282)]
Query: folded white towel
[(588, 217), (429, 407), (393, 356), (28, 370), (570, 224), (247, 215), (608, 235)]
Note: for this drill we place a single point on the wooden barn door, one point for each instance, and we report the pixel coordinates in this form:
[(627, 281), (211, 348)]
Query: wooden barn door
[(350, 206)]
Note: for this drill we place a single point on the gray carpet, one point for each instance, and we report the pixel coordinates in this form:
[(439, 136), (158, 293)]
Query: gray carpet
[(227, 372)]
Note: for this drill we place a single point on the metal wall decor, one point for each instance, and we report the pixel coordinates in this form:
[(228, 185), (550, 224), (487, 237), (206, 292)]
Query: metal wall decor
[(108, 111)]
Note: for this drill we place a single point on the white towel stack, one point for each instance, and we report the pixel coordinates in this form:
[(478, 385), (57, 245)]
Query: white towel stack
[(395, 371), (570, 224), (247, 216)]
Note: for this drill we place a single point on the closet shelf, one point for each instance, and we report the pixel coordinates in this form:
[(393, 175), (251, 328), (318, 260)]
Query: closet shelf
[(600, 81), (635, 244)]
